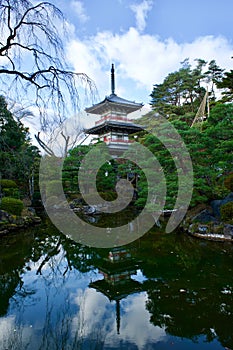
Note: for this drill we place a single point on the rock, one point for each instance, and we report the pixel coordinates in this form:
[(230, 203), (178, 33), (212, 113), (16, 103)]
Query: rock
[(4, 216), (216, 204), (89, 210), (10, 222), (32, 210), (228, 230), (203, 228), (204, 217)]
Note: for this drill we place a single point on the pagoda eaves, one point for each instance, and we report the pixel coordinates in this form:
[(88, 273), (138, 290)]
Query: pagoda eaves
[(114, 103), (110, 125)]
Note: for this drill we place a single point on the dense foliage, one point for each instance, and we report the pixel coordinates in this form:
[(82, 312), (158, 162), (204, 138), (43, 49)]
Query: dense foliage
[(106, 176), (181, 92), (210, 145), (18, 157)]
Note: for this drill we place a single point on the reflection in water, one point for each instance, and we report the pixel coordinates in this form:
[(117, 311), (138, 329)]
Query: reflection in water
[(161, 291), (117, 283)]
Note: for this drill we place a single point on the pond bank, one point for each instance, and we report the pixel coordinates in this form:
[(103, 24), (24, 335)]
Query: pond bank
[(206, 222), (9, 222)]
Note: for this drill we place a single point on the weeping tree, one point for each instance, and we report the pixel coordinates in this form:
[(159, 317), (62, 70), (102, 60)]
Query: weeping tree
[(32, 61)]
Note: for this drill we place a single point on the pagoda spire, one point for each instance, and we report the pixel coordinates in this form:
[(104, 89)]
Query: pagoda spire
[(118, 316), (113, 80)]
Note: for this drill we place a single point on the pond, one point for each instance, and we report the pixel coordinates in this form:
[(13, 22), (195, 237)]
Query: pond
[(163, 291)]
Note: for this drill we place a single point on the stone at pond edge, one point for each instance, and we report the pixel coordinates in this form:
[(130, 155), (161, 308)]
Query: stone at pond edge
[(228, 230), (204, 217), (204, 224), (10, 222)]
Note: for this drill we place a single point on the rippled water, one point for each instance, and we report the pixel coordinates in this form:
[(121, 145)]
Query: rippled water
[(164, 291)]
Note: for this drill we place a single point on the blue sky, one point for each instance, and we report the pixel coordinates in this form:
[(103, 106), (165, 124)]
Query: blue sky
[(145, 39)]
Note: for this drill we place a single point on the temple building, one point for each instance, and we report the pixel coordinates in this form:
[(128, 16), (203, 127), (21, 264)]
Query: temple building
[(114, 126)]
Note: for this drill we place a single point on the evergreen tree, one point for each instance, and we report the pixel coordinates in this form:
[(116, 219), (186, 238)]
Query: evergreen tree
[(17, 154), (180, 92), (226, 83)]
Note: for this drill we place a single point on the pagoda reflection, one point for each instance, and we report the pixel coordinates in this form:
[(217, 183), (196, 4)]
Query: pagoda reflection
[(117, 270)]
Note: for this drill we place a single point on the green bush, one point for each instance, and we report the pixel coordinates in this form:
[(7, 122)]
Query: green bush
[(11, 192), (12, 205), (8, 183), (226, 211), (9, 188)]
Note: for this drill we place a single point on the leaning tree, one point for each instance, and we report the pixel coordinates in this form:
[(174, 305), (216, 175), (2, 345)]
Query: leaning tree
[(32, 59)]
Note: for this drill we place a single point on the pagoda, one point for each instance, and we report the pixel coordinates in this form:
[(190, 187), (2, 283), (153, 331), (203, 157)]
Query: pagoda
[(117, 283), (114, 126)]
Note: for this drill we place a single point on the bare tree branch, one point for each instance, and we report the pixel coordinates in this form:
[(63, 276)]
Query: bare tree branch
[(43, 145), (32, 61)]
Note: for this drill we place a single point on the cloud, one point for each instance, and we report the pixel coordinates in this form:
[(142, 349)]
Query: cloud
[(80, 11), (141, 11), (141, 60), (97, 313)]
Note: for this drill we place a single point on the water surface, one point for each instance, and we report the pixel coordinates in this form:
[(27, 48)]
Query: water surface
[(164, 291)]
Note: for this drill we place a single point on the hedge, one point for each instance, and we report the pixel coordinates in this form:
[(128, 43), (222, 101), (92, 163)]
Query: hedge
[(12, 205)]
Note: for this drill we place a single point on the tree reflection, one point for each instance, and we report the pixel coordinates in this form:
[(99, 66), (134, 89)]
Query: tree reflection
[(192, 294), (189, 286)]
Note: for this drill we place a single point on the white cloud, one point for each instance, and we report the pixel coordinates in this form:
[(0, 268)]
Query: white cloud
[(141, 59), (141, 11), (80, 11), (96, 312)]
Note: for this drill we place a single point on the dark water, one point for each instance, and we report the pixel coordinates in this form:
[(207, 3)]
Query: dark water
[(164, 292)]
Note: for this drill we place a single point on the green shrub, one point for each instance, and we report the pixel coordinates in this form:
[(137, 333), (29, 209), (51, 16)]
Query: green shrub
[(12, 205), (11, 192), (9, 188), (8, 183), (226, 211)]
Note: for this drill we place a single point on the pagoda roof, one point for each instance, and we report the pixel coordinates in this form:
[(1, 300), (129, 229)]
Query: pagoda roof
[(110, 125), (119, 290), (114, 102)]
